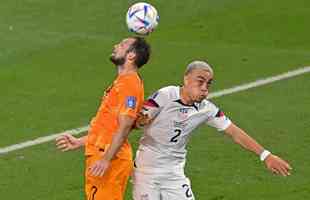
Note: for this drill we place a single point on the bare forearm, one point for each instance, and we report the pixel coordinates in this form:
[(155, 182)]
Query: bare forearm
[(243, 139), (117, 141), (273, 162), (249, 143), (125, 124)]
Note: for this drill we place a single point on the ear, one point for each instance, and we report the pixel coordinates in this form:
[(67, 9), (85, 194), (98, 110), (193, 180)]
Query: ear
[(185, 80)]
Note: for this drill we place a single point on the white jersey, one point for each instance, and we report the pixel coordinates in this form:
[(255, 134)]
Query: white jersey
[(162, 147)]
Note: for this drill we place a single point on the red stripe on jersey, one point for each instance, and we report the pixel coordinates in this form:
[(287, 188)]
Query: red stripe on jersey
[(150, 103), (220, 114)]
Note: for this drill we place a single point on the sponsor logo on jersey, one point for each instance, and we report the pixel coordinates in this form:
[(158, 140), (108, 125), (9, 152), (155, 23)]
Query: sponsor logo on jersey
[(131, 102)]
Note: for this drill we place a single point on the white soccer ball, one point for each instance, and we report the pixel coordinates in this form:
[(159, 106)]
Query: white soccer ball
[(142, 18)]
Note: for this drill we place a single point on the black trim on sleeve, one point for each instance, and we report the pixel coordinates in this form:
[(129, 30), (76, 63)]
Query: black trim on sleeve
[(183, 104)]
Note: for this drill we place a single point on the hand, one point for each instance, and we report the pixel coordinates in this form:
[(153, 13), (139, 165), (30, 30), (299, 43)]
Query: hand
[(99, 167), (143, 120), (68, 142), (277, 165)]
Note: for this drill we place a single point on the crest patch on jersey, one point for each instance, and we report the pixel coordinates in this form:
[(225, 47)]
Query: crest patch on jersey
[(131, 102)]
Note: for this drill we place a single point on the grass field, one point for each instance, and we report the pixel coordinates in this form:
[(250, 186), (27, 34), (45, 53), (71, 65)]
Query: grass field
[(54, 67)]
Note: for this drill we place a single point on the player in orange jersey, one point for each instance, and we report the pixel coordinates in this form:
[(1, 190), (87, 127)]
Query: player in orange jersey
[(108, 153)]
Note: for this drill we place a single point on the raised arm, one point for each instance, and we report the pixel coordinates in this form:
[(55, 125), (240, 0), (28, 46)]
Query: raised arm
[(273, 163)]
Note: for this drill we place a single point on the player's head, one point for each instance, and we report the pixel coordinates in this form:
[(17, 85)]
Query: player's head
[(197, 80), (133, 51)]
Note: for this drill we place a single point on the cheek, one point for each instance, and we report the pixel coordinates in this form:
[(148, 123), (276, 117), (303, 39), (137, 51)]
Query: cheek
[(123, 53), (195, 91)]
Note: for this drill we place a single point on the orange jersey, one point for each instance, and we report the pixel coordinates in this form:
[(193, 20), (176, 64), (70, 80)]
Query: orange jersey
[(110, 186), (124, 97)]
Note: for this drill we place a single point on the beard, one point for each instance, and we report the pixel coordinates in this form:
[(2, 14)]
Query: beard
[(117, 61)]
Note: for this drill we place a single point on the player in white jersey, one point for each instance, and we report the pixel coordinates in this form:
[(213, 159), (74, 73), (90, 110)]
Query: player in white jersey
[(169, 116)]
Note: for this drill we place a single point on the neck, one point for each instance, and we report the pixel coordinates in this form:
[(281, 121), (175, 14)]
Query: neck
[(123, 69), (185, 97)]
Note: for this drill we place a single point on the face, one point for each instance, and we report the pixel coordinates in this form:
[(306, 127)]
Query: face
[(197, 84), (120, 51)]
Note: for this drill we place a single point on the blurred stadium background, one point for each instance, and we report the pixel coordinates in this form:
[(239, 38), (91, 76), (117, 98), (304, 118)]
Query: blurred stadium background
[(54, 67)]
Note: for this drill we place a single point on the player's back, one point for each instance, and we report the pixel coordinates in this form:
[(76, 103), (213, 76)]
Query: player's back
[(124, 97)]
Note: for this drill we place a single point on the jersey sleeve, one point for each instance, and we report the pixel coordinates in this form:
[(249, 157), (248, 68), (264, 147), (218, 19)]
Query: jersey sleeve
[(151, 108), (217, 118), (160, 97), (155, 103), (129, 98)]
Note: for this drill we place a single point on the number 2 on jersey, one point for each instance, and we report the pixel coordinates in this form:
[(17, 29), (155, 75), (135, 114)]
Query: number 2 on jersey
[(175, 138)]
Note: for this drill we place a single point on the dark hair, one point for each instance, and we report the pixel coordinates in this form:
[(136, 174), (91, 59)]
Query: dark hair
[(142, 50)]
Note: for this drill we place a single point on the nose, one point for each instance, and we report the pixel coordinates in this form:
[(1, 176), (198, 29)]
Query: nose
[(205, 92), (205, 87)]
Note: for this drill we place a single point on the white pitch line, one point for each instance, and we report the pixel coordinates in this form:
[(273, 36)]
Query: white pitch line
[(260, 82), (220, 93), (41, 140)]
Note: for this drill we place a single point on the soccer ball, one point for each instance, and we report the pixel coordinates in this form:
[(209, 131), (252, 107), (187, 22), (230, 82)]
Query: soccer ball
[(142, 18)]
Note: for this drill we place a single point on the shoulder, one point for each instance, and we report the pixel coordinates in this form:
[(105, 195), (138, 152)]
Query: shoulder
[(165, 94), (129, 78), (208, 103), (208, 106), (131, 81), (168, 91)]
